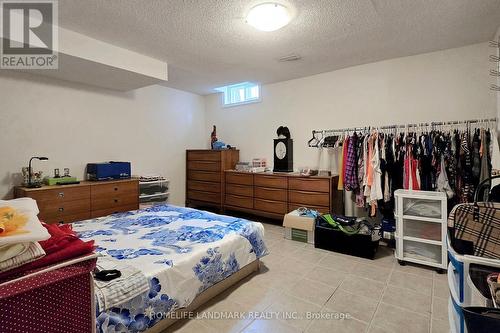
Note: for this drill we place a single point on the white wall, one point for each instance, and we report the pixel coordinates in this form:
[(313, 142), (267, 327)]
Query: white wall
[(74, 124), (445, 85)]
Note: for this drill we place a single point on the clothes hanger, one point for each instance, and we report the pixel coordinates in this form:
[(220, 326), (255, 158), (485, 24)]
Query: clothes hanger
[(309, 143), (315, 139), (321, 141)]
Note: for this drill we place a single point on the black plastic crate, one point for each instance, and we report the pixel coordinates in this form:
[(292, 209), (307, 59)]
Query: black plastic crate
[(327, 238)]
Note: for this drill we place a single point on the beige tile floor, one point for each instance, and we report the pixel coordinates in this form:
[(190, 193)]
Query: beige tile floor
[(380, 296)]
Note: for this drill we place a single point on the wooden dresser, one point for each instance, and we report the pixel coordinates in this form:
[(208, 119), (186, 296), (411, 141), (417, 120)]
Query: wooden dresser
[(70, 203), (205, 176), (275, 194)]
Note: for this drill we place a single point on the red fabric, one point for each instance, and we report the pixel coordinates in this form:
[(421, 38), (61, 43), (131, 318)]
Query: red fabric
[(60, 236), (72, 250), (411, 168), (62, 245)]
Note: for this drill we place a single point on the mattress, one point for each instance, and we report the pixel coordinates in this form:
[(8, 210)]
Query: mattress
[(181, 251)]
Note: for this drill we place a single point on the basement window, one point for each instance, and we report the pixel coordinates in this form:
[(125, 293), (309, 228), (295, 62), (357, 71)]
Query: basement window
[(240, 93)]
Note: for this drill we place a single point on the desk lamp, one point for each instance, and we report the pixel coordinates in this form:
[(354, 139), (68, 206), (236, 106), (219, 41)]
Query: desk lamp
[(30, 183)]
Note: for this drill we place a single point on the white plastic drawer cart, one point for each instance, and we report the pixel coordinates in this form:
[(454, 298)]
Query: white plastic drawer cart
[(421, 220), (153, 192)]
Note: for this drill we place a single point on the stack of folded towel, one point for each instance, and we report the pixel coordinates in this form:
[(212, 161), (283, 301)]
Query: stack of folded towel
[(20, 232), (27, 244), (131, 283)]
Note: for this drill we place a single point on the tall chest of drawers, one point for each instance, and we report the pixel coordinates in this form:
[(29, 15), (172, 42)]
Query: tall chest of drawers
[(71, 203), (205, 176)]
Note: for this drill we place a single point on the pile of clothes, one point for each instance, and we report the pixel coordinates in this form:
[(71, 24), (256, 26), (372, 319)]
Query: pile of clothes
[(353, 225), (26, 244)]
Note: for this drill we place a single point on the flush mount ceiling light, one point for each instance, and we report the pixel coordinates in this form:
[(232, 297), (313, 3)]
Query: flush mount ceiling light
[(268, 16)]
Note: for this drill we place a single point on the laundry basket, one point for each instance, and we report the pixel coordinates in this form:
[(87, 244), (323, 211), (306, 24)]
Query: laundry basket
[(481, 319), (473, 253), (56, 299)]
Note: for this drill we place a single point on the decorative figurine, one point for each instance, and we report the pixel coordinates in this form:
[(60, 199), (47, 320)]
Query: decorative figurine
[(66, 172), (213, 137), (283, 132), (25, 172)]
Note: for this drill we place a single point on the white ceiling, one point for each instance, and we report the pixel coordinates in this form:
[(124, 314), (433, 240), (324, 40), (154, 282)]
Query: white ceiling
[(208, 44)]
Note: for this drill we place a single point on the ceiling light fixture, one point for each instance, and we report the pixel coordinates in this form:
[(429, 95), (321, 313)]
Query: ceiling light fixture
[(268, 16)]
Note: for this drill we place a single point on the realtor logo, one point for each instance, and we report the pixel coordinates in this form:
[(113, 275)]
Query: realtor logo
[(29, 34)]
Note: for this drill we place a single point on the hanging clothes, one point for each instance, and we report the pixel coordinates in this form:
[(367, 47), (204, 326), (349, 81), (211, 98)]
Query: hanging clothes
[(484, 155), (426, 163), (388, 167), (372, 166), (340, 185), (369, 168), (411, 165), (397, 179), (351, 166), (476, 157), (376, 187), (360, 198), (466, 169), (495, 153), (442, 181)]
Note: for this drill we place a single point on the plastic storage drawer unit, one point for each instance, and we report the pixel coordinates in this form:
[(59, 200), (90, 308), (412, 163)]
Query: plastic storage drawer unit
[(150, 188), (153, 192)]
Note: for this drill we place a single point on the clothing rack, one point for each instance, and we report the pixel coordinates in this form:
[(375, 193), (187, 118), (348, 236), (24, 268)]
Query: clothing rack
[(431, 124)]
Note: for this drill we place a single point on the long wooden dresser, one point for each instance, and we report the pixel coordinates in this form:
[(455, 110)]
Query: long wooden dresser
[(71, 203), (275, 194), (205, 176)]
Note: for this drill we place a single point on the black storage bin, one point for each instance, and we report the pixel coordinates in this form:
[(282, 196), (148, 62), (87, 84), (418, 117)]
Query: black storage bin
[(327, 238), (481, 320)]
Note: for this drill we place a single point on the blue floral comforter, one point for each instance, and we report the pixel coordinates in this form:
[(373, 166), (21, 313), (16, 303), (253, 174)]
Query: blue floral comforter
[(181, 251)]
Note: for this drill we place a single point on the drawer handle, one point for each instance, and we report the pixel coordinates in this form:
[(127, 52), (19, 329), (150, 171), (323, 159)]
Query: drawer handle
[(116, 188), (61, 209), (116, 200), (271, 201), (61, 222), (272, 189), (311, 193), (61, 194)]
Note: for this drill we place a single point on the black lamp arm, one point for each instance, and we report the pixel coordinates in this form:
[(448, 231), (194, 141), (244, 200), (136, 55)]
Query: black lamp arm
[(29, 165), (29, 170)]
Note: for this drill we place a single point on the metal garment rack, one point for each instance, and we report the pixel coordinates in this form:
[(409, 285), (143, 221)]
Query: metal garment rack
[(430, 125)]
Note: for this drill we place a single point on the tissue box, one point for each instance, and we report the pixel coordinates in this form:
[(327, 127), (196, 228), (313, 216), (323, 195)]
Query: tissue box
[(57, 181), (299, 228)]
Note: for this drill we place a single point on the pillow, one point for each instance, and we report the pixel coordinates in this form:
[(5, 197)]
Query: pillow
[(24, 205), (19, 222)]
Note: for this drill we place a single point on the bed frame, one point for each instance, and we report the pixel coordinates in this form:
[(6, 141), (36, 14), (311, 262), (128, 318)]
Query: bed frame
[(206, 295)]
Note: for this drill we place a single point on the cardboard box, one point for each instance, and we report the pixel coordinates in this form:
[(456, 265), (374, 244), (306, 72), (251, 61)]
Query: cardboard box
[(299, 228)]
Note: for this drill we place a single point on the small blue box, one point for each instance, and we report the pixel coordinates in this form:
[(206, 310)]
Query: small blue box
[(108, 170), (388, 225)]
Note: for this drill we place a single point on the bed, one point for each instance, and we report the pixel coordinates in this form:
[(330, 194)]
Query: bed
[(186, 255)]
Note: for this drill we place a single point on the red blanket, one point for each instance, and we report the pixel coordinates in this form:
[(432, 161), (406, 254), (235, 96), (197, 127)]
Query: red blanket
[(62, 245)]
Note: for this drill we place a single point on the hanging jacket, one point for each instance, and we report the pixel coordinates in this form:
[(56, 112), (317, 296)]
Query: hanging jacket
[(351, 165)]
